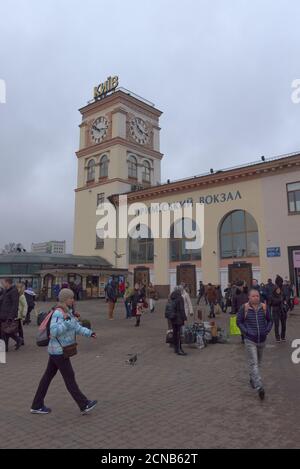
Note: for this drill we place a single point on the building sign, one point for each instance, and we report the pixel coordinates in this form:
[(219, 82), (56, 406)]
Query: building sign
[(296, 258), (109, 85), (220, 198), (273, 252)]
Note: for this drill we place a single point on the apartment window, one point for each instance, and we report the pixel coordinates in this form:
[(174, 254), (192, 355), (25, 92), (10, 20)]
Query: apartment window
[(91, 171), (146, 172), (132, 167), (100, 199), (178, 240), (293, 191), (104, 166)]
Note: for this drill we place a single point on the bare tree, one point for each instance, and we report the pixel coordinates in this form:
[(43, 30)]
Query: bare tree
[(12, 248)]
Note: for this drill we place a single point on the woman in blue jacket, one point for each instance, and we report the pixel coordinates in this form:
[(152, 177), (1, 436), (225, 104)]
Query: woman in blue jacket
[(63, 329)]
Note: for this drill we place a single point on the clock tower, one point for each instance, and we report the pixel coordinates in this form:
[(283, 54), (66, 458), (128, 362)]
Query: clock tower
[(119, 152)]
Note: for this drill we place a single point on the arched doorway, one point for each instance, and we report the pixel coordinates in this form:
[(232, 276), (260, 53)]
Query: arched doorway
[(49, 283)]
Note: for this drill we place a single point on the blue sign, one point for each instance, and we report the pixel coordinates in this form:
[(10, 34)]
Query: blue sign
[(273, 252)]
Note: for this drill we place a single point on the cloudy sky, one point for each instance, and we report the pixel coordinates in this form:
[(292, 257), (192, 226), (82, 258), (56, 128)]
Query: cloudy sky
[(220, 70)]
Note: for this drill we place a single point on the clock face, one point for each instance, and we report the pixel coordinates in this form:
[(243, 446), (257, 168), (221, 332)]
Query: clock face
[(139, 130), (99, 129)]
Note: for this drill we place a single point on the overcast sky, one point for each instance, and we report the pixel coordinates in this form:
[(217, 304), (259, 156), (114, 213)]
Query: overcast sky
[(220, 70)]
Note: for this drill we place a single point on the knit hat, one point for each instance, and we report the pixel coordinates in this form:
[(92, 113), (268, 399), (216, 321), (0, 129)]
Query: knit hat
[(65, 294)]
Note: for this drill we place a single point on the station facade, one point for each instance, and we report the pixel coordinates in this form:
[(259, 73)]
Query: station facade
[(251, 213)]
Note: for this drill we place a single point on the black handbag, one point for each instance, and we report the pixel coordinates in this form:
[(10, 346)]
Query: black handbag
[(10, 327)]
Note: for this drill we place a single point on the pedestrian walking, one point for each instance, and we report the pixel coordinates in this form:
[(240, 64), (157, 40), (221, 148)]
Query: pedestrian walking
[(228, 297), (255, 323), (278, 307), (62, 345), (30, 299), (211, 296), (175, 313), (127, 300), (152, 295), (22, 311), (111, 298), (138, 303), (240, 298), (9, 314), (201, 292)]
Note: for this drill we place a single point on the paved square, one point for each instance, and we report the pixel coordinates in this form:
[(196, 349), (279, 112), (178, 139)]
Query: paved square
[(165, 401)]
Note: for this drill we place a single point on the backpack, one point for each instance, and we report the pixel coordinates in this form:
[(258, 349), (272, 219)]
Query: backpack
[(247, 306), (170, 311), (43, 335)]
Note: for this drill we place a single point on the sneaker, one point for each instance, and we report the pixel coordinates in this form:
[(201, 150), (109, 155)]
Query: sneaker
[(261, 393), (90, 406), (283, 340), (278, 341), (42, 410)]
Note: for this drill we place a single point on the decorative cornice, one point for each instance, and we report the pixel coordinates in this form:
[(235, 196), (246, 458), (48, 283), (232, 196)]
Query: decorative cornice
[(102, 181), (100, 147), (215, 179), (116, 98)]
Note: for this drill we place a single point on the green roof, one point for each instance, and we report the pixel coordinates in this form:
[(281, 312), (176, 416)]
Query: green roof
[(54, 259)]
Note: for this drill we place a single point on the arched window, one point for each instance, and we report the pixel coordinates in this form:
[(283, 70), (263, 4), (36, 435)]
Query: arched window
[(239, 235), (91, 171), (179, 250), (104, 167), (141, 249), (132, 167), (146, 172)]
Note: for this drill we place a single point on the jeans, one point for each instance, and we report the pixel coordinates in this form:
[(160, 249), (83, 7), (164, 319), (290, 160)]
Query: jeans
[(279, 317), (128, 309), (55, 363), (254, 353)]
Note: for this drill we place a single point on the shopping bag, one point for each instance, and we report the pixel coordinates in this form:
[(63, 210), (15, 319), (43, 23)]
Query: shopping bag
[(296, 301), (234, 329)]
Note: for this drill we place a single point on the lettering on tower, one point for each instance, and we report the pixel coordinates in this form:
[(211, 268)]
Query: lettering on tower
[(109, 85)]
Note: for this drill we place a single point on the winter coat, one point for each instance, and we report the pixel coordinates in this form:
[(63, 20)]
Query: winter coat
[(180, 316), (111, 293), (188, 307), (63, 332), (23, 307), (239, 299), (276, 302), (10, 304), (151, 293), (254, 325), (211, 294)]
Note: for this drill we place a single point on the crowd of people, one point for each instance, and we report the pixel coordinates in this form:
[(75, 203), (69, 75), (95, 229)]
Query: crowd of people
[(256, 309), (136, 299)]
